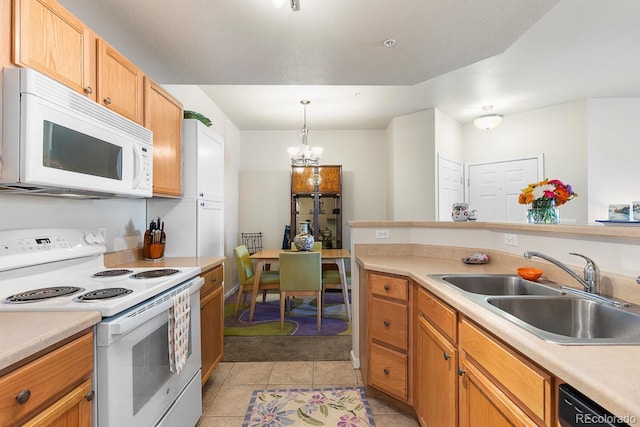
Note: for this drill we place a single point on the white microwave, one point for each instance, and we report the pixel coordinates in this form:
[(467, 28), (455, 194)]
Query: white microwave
[(56, 141)]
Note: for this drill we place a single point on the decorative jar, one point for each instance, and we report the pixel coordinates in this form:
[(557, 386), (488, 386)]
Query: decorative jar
[(543, 212), (303, 241)]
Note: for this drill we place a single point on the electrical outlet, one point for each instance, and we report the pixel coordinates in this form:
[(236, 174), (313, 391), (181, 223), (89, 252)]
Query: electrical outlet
[(382, 234), (103, 232), (511, 239)]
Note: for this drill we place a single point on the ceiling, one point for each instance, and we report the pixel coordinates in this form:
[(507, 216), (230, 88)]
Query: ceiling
[(256, 62)]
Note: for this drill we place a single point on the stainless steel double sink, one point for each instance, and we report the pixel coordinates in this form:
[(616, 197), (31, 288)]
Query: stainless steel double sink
[(548, 311)]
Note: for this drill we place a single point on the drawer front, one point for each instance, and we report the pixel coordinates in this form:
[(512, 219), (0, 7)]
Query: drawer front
[(528, 383), (389, 322), (388, 371), (212, 279), (47, 378), (438, 313), (389, 287)]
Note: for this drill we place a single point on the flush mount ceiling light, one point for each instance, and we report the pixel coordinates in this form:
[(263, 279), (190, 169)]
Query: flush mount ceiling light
[(295, 4), (489, 120), (303, 155)]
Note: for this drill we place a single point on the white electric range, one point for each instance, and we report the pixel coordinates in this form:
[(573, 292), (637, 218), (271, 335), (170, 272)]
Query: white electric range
[(135, 384)]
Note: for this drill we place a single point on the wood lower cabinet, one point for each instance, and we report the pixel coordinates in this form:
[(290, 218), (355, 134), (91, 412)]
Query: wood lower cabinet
[(388, 344), (52, 390), (450, 370), (163, 115), (499, 385), (49, 39), (436, 373), (212, 321)]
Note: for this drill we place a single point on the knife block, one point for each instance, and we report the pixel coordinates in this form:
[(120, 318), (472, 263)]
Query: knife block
[(153, 251)]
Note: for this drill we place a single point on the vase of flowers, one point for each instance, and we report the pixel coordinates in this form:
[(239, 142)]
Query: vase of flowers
[(545, 197)]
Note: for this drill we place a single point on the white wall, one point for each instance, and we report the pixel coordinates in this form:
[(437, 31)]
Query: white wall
[(265, 177), (559, 132), (413, 161), (614, 150)]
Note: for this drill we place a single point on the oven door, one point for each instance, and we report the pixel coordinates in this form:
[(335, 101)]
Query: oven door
[(135, 386)]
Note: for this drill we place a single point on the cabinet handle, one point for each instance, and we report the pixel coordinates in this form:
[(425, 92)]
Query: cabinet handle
[(89, 396), (386, 371), (107, 100), (23, 396), (386, 287), (386, 323), (446, 356), (88, 90), (461, 372)]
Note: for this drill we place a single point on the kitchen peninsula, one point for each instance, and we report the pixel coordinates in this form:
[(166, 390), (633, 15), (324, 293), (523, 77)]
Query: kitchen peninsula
[(607, 374)]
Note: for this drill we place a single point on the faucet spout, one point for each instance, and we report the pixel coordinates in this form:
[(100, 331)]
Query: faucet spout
[(591, 280)]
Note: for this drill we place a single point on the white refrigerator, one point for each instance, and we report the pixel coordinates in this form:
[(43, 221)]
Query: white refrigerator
[(194, 224)]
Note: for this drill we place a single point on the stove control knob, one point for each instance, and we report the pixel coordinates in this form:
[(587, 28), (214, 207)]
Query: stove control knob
[(90, 238), (99, 238)]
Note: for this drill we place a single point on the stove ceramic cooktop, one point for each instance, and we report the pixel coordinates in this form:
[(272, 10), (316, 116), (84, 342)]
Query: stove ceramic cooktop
[(78, 288)]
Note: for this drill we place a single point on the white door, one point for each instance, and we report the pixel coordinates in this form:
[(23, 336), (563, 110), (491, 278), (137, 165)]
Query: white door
[(450, 186), (493, 188)]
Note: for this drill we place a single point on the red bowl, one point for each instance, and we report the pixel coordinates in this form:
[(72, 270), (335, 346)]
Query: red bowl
[(530, 273)]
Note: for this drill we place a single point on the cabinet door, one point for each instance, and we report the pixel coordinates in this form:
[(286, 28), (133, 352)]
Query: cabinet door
[(437, 377), (120, 83), (73, 409), (483, 404), (163, 116), (211, 331), (52, 41), (331, 179)]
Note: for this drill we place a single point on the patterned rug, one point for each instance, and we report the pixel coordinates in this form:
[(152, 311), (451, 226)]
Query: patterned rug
[(300, 321), (340, 407)]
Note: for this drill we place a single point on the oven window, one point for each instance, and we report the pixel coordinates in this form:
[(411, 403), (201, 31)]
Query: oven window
[(73, 151), (150, 359)]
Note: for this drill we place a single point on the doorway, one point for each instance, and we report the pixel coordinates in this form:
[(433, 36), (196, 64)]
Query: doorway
[(450, 186), (493, 188)]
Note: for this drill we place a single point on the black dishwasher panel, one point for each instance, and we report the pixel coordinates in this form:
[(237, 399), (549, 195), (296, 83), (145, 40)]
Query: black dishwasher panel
[(575, 409)]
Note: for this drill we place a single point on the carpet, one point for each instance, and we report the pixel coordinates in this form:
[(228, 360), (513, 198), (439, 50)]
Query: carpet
[(286, 348), (341, 407), (299, 321)]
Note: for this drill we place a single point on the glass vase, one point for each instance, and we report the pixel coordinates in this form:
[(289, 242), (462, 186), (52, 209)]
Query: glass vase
[(543, 212)]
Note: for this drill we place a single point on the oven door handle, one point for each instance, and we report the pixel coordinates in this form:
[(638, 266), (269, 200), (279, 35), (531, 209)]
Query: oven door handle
[(152, 308)]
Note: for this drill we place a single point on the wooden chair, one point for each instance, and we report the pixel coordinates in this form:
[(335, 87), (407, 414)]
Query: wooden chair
[(331, 280), (300, 275), (246, 276)]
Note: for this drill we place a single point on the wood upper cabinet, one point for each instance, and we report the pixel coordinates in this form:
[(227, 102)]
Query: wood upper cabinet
[(49, 39), (163, 116), (330, 179), (212, 321), (52, 390), (120, 83)]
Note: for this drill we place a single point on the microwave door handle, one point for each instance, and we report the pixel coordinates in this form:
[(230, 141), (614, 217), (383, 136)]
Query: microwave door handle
[(138, 170)]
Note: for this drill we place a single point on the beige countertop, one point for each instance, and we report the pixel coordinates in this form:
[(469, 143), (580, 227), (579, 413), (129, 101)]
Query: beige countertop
[(23, 334), (610, 375)]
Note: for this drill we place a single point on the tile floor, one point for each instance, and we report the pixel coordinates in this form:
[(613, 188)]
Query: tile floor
[(226, 395)]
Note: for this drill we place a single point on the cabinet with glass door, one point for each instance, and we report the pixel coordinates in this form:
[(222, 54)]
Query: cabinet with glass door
[(317, 200)]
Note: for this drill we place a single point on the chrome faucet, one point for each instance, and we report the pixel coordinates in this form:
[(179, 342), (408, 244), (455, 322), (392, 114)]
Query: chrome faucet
[(591, 281)]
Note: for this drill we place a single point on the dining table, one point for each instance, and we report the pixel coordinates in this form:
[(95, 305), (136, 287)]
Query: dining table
[(328, 256)]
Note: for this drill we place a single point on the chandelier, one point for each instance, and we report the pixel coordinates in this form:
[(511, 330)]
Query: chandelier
[(303, 155)]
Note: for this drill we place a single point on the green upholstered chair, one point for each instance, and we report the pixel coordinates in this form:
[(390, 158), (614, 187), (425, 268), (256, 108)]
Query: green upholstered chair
[(246, 276), (300, 275)]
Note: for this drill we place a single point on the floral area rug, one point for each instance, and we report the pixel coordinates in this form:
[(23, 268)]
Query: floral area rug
[(300, 321), (340, 407)]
